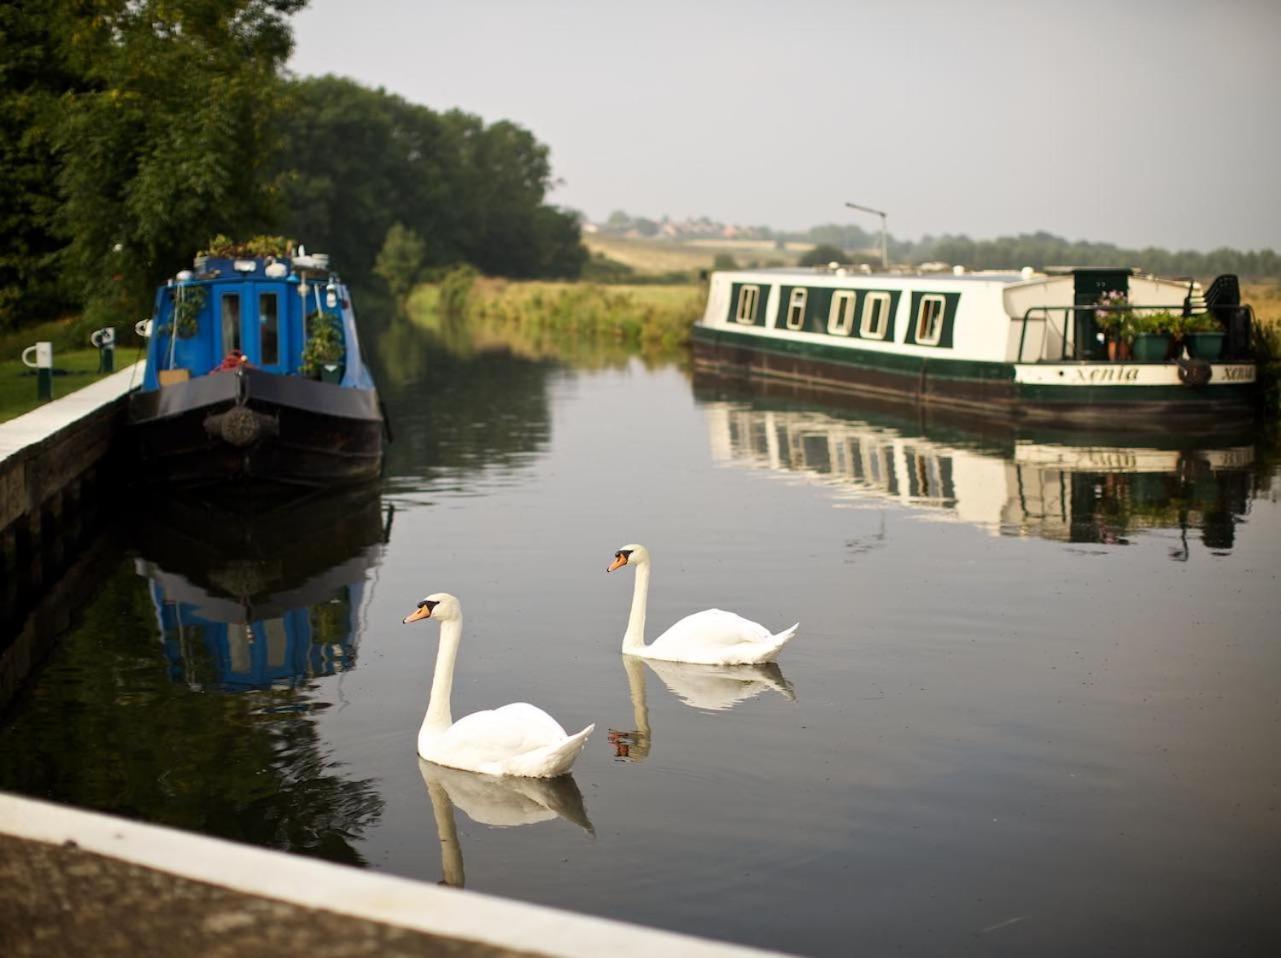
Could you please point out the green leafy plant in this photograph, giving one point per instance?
(1113, 317)
(223, 247)
(1155, 323)
(188, 301)
(1198, 323)
(324, 343)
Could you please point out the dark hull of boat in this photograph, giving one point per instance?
(251, 426)
(977, 389)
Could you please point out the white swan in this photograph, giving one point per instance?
(517, 739)
(710, 637)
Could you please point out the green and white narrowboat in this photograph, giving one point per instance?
(1018, 345)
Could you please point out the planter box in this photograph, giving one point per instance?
(1151, 347)
(1205, 345)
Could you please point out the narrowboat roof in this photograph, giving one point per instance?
(977, 276)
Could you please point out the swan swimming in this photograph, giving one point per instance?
(518, 739)
(710, 637)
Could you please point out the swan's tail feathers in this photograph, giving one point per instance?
(553, 760)
(776, 644)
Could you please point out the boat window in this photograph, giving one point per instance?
(840, 318)
(876, 316)
(796, 308)
(747, 297)
(929, 320)
(230, 322)
(268, 329)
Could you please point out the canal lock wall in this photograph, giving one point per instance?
(60, 465)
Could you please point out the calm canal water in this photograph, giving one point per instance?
(1032, 707)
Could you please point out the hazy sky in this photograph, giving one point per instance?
(1137, 122)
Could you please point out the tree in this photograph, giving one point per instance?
(400, 261)
(166, 138)
(823, 254)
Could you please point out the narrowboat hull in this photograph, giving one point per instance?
(254, 426)
(1069, 393)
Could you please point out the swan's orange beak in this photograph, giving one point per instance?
(422, 612)
(620, 560)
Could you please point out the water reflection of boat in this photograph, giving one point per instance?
(249, 595)
(1012, 484)
(715, 688)
(500, 802)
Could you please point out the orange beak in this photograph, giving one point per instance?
(618, 563)
(422, 612)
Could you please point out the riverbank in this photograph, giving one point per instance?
(587, 324)
(76, 364)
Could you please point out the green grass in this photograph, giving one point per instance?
(585, 324)
(652, 257)
(18, 382)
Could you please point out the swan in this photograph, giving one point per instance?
(517, 739)
(710, 637)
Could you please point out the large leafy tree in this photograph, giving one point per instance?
(34, 74)
(160, 134)
(355, 162)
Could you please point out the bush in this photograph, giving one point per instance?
(823, 254)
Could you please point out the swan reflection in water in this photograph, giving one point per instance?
(715, 688)
(500, 802)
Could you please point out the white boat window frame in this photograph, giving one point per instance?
(933, 317)
(748, 297)
(875, 330)
(797, 300)
(840, 319)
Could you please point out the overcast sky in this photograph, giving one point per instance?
(1137, 122)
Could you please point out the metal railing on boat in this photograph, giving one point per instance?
(1083, 340)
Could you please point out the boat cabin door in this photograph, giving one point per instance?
(1090, 286)
(250, 319)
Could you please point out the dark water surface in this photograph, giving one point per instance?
(1032, 708)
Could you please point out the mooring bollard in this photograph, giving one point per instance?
(105, 340)
(43, 367)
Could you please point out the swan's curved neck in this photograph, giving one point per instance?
(438, 717)
(634, 638)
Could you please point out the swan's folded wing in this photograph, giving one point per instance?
(498, 734)
(710, 629)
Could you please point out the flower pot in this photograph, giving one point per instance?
(1151, 347)
(1118, 349)
(1205, 345)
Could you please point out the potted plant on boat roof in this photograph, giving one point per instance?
(323, 354)
(1202, 334)
(1114, 319)
(1154, 335)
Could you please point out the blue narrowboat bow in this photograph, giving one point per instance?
(254, 372)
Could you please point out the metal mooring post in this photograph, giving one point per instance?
(105, 340)
(43, 367)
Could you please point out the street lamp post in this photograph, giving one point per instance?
(885, 255)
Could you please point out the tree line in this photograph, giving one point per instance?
(131, 131)
(848, 242)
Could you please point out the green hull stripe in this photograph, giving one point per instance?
(970, 371)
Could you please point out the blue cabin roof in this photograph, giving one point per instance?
(264, 309)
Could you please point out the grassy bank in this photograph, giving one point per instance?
(581, 323)
(75, 361)
(72, 370)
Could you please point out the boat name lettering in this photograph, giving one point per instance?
(1237, 372)
(1107, 374)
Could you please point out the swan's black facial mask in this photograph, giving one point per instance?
(620, 559)
(423, 611)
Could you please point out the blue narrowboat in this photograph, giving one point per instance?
(254, 372)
